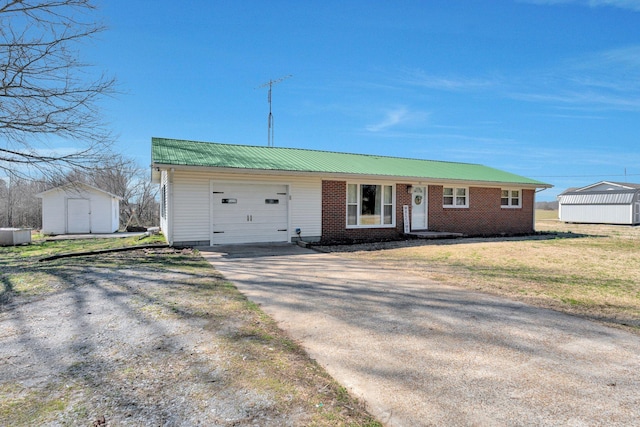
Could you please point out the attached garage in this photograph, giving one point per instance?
(78, 208)
(248, 212)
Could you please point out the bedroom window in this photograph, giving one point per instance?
(510, 198)
(455, 197)
(370, 205)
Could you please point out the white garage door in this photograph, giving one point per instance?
(249, 213)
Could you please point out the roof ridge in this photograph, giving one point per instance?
(318, 151)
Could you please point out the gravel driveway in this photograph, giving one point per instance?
(420, 353)
(150, 337)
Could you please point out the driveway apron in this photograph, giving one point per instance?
(421, 353)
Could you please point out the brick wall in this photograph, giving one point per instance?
(334, 215)
(484, 216)
(402, 198)
(334, 209)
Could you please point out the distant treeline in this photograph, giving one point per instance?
(547, 206)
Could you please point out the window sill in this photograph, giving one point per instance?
(454, 207)
(371, 226)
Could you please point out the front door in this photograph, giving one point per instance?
(419, 208)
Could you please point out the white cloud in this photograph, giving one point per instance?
(448, 83)
(608, 80)
(621, 4)
(397, 116)
(579, 100)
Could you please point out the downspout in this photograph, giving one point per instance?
(536, 191)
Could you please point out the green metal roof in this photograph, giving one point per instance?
(191, 153)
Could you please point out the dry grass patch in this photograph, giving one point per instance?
(592, 271)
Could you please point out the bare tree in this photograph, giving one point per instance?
(5, 202)
(18, 205)
(118, 176)
(146, 202)
(124, 178)
(45, 97)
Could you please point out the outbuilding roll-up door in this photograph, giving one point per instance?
(248, 213)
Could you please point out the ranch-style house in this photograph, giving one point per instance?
(215, 193)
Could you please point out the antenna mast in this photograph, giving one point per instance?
(270, 83)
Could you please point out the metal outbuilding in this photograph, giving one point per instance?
(604, 202)
(78, 208)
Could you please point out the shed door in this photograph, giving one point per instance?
(78, 216)
(248, 213)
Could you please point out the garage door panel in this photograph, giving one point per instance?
(245, 213)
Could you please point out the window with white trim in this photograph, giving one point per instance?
(455, 197)
(511, 198)
(370, 205)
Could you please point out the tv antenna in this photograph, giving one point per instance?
(270, 83)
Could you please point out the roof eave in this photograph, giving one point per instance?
(76, 184)
(409, 179)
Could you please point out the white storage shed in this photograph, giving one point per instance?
(78, 208)
(601, 203)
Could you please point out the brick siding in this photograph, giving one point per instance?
(334, 210)
(484, 216)
(334, 215)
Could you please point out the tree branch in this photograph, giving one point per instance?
(44, 93)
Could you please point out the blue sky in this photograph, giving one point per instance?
(545, 89)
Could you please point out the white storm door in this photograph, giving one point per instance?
(78, 216)
(249, 213)
(419, 208)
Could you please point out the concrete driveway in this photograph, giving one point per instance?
(421, 353)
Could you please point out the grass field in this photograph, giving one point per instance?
(546, 215)
(587, 270)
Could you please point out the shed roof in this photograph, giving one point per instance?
(607, 186)
(622, 197)
(626, 184)
(206, 154)
(600, 193)
(74, 186)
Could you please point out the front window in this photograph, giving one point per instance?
(455, 197)
(510, 198)
(369, 205)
